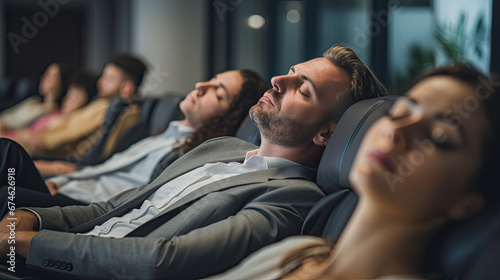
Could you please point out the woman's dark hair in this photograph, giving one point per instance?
(66, 72)
(252, 89)
(86, 80)
(486, 92)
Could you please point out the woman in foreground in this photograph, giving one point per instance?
(398, 212)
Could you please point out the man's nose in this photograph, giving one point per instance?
(282, 83)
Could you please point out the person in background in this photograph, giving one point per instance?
(214, 108)
(82, 89)
(397, 215)
(51, 89)
(76, 134)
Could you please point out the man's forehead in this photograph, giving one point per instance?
(315, 64)
(228, 73)
(112, 68)
(323, 72)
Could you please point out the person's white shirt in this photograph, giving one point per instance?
(131, 168)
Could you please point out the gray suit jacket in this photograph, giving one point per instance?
(206, 232)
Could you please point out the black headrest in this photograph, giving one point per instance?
(166, 110)
(339, 154)
(330, 215)
(248, 131)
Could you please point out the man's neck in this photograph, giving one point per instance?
(308, 155)
(186, 122)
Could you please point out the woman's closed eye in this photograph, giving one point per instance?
(442, 139)
(402, 108)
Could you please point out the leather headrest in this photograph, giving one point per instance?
(248, 131)
(337, 159)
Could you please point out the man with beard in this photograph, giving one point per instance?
(216, 204)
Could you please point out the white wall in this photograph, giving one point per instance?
(170, 35)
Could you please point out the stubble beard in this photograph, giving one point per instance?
(282, 130)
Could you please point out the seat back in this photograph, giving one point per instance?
(166, 110)
(329, 217)
(6, 88)
(25, 87)
(156, 114)
(248, 131)
(16, 91)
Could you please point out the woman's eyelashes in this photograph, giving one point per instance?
(441, 139)
(438, 136)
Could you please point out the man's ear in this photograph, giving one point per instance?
(127, 90)
(323, 136)
(468, 205)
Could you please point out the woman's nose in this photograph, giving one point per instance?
(201, 87)
(407, 128)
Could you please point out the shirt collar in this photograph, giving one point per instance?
(176, 130)
(272, 162)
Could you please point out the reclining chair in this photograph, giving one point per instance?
(156, 114)
(469, 250)
(17, 91)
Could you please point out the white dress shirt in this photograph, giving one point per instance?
(178, 188)
(131, 168)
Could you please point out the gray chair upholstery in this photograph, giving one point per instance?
(248, 131)
(16, 91)
(156, 114)
(329, 217)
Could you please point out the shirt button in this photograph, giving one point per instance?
(221, 166)
(104, 230)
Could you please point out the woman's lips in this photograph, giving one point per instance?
(383, 159)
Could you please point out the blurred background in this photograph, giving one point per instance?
(185, 41)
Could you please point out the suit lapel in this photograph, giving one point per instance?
(251, 178)
(224, 149)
